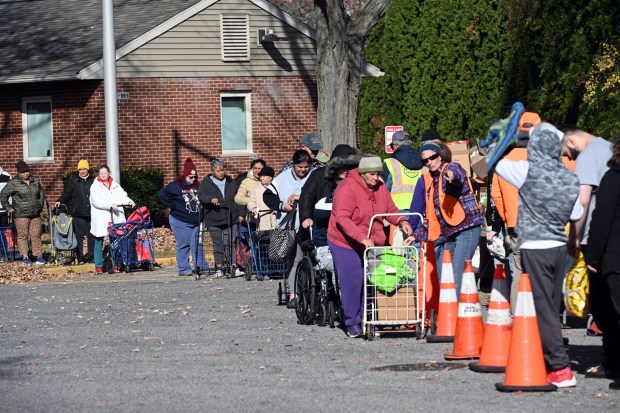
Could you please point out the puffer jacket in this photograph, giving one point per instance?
(27, 199)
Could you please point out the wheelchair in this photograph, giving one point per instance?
(316, 287)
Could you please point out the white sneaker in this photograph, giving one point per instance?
(219, 274)
(239, 273)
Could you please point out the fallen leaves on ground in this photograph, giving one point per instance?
(16, 272)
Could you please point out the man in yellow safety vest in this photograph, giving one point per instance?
(401, 171)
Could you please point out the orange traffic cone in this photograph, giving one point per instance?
(497, 332)
(525, 370)
(448, 304)
(469, 326)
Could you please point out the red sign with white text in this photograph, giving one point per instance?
(389, 131)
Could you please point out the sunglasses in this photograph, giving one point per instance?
(430, 158)
(191, 176)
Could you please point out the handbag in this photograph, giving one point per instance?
(282, 239)
(577, 288)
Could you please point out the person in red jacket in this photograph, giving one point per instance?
(357, 198)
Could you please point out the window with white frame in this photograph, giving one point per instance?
(235, 35)
(37, 129)
(236, 123)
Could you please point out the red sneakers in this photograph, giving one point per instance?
(99, 270)
(562, 378)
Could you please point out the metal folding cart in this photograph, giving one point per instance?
(393, 291)
(211, 259)
(131, 244)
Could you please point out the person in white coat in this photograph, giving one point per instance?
(105, 197)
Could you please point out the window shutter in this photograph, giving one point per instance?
(235, 34)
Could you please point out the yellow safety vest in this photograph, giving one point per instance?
(403, 183)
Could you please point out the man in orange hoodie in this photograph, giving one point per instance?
(506, 199)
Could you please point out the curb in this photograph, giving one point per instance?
(85, 268)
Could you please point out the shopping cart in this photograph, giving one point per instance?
(8, 239)
(393, 299)
(214, 258)
(131, 243)
(261, 265)
(63, 242)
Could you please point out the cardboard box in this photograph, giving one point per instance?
(478, 162)
(398, 306)
(460, 154)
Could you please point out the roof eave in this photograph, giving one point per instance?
(37, 78)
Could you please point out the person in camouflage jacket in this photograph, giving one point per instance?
(26, 203)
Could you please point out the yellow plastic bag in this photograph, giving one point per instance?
(577, 288)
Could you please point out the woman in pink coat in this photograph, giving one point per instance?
(358, 197)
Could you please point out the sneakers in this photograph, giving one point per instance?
(562, 378)
(99, 270)
(27, 261)
(239, 273)
(354, 331)
(40, 261)
(219, 274)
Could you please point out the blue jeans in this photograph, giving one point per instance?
(439, 245)
(186, 236)
(462, 246)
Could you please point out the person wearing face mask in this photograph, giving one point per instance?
(106, 196)
(78, 192)
(181, 196)
(451, 209)
(357, 199)
(265, 220)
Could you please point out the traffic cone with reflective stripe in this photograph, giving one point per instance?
(469, 331)
(525, 370)
(498, 330)
(447, 310)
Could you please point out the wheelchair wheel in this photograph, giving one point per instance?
(108, 264)
(305, 291)
(321, 317)
(331, 311)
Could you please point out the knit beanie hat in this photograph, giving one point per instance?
(431, 147)
(22, 167)
(267, 171)
(83, 164)
(431, 135)
(370, 164)
(189, 168)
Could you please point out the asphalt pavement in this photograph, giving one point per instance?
(156, 342)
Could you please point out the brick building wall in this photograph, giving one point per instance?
(164, 121)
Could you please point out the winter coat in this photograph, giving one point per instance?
(277, 193)
(408, 156)
(354, 205)
(27, 199)
(217, 215)
(184, 204)
(604, 235)
(245, 189)
(78, 191)
(266, 220)
(101, 200)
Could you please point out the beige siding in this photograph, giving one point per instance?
(193, 48)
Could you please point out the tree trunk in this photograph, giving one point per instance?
(340, 46)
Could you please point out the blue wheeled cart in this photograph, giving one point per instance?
(131, 243)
